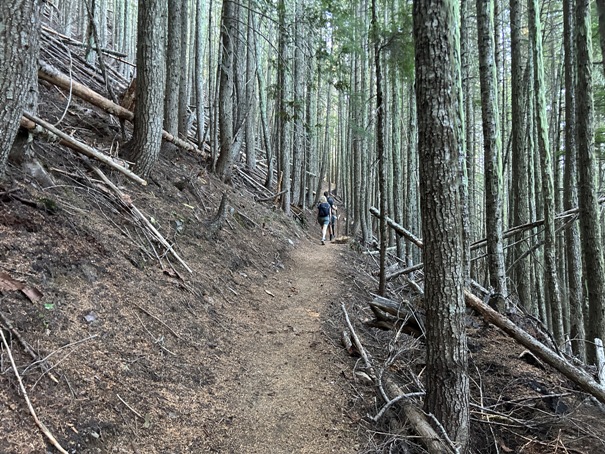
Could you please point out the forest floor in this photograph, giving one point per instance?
(122, 350)
(239, 356)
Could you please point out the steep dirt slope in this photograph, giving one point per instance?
(144, 356)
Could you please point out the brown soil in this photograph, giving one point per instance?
(148, 358)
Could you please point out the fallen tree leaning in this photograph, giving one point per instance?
(29, 122)
(54, 76)
(581, 378)
(578, 376)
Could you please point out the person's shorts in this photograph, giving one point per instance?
(324, 220)
(334, 218)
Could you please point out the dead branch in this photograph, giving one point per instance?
(29, 121)
(67, 40)
(272, 196)
(358, 345)
(407, 270)
(419, 422)
(124, 199)
(43, 365)
(345, 338)
(130, 408)
(245, 220)
(392, 402)
(408, 321)
(580, 377)
(398, 228)
(55, 77)
(402, 231)
(39, 423)
(158, 320)
(253, 182)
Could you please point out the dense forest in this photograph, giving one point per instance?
(475, 126)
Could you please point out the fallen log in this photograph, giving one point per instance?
(578, 376)
(398, 228)
(407, 270)
(29, 122)
(52, 75)
(417, 419)
(402, 231)
(410, 322)
(67, 40)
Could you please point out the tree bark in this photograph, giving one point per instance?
(151, 80)
(251, 69)
(183, 68)
(226, 91)
(590, 228)
(519, 156)
(493, 150)
(19, 46)
(298, 109)
(548, 190)
(447, 383)
(173, 67)
(200, 108)
(570, 196)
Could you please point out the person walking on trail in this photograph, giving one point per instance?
(324, 214)
(333, 215)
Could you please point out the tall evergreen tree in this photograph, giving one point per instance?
(226, 91)
(519, 173)
(572, 234)
(151, 80)
(493, 151)
(447, 383)
(173, 67)
(548, 190)
(590, 227)
(19, 45)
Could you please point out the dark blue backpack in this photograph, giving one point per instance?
(324, 210)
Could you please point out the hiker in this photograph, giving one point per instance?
(324, 214)
(333, 215)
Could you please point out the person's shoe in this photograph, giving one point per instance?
(323, 241)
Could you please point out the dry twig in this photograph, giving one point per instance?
(39, 423)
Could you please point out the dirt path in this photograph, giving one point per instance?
(289, 396)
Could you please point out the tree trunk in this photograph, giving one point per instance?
(590, 227)
(283, 111)
(183, 68)
(298, 110)
(548, 190)
(493, 151)
(200, 108)
(19, 46)
(601, 13)
(447, 383)
(251, 70)
(151, 84)
(572, 234)
(226, 91)
(173, 69)
(380, 153)
(463, 89)
(519, 156)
